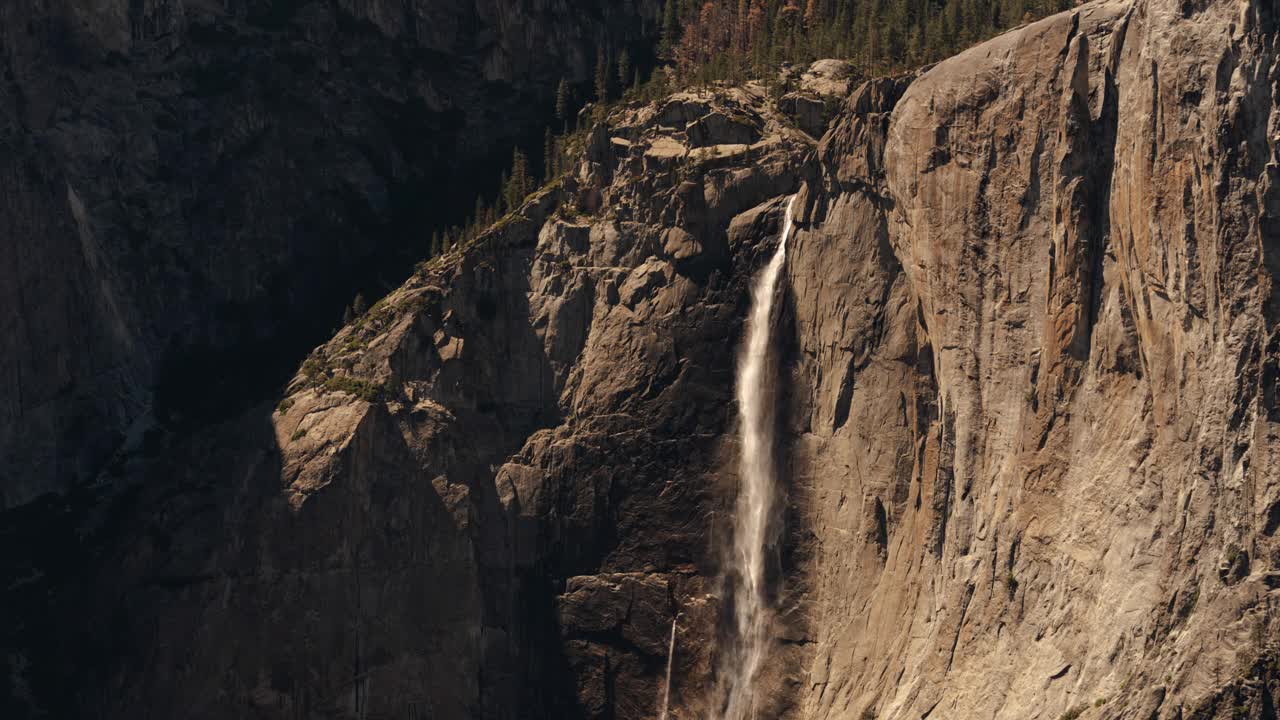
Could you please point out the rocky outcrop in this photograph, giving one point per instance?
(820, 91)
(190, 187)
(1037, 442)
(493, 493)
(1029, 368)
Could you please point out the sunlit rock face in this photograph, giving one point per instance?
(1025, 435)
(1034, 422)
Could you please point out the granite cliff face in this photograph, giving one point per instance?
(1051, 383)
(193, 189)
(489, 496)
(1029, 368)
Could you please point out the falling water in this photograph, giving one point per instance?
(671, 655)
(756, 494)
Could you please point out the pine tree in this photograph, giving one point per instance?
(756, 24)
(359, 306)
(709, 40)
(624, 68)
(518, 184)
(789, 22)
(915, 53)
(549, 169)
(562, 103)
(670, 29)
(602, 77)
(478, 220)
(520, 173)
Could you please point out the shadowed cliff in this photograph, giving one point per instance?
(194, 190)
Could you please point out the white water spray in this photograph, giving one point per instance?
(671, 655)
(756, 495)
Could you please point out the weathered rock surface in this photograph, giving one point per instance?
(821, 90)
(191, 186)
(490, 496)
(1029, 367)
(1038, 364)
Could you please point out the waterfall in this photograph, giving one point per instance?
(756, 495)
(671, 656)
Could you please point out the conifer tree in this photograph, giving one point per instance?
(478, 219)
(725, 39)
(518, 184)
(624, 68)
(712, 40)
(670, 29)
(811, 15)
(562, 104)
(549, 169)
(520, 171)
(602, 77)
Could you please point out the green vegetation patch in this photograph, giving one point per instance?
(358, 387)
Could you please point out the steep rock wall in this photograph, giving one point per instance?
(488, 497)
(1054, 485)
(1029, 371)
(193, 189)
